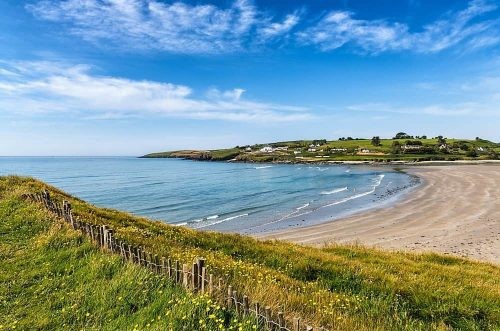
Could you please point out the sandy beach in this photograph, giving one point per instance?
(456, 211)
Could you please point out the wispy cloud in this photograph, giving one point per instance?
(60, 88)
(480, 108)
(173, 27)
(340, 28)
(208, 29)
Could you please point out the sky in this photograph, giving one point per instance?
(129, 77)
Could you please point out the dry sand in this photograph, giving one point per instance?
(455, 211)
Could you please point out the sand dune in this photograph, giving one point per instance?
(455, 211)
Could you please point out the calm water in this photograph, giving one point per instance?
(218, 196)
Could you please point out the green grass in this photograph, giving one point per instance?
(455, 152)
(339, 287)
(52, 278)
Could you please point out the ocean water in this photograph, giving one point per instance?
(235, 197)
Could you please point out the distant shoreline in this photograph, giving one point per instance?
(455, 211)
(344, 162)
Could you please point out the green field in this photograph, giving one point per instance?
(351, 150)
(53, 278)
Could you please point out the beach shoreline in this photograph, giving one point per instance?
(455, 210)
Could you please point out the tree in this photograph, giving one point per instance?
(424, 137)
(402, 135)
(396, 147)
(471, 153)
(441, 140)
(376, 141)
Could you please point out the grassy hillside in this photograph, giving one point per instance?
(339, 287)
(53, 278)
(408, 149)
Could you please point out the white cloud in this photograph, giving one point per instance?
(340, 28)
(55, 87)
(479, 108)
(179, 27)
(174, 27)
(280, 28)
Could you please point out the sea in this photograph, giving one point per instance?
(244, 198)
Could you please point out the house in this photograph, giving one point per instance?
(412, 147)
(248, 149)
(311, 149)
(267, 149)
(284, 148)
(338, 150)
(480, 149)
(365, 151)
(297, 152)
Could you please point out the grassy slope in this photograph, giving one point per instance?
(52, 278)
(385, 147)
(341, 287)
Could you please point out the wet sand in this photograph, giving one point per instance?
(456, 211)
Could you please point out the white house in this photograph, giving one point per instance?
(311, 149)
(296, 152)
(267, 149)
(248, 149)
(412, 147)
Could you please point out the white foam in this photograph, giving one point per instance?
(212, 217)
(263, 167)
(348, 170)
(337, 190)
(180, 224)
(221, 221)
(378, 181)
(302, 207)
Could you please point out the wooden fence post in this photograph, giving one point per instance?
(157, 265)
(203, 276)
(104, 236)
(267, 311)
(235, 298)
(195, 277)
(281, 320)
(130, 256)
(296, 324)
(185, 275)
(177, 271)
(92, 235)
(201, 265)
(257, 313)
(169, 268)
(246, 306)
(110, 240)
(149, 261)
(211, 284)
(163, 266)
(229, 297)
(139, 256)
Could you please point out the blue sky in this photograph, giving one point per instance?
(127, 77)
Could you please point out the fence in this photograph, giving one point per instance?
(193, 277)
